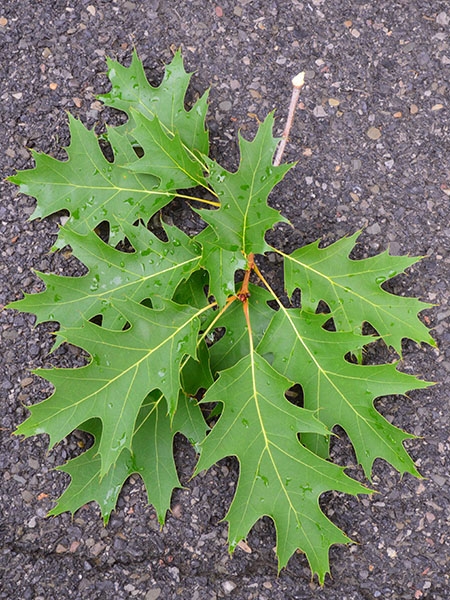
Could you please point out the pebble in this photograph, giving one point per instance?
(374, 229)
(319, 112)
(27, 496)
(153, 594)
(391, 553)
(97, 548)
(408, 47)
(373, 133)
(10, 334)
(225, 106)
(438, 479)
(175, 572)
(228, 586)
(443, 19)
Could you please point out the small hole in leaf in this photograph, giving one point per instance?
(351, 358)
(329, 325)
(147, 302)
(295, 300)
(97, 320)
(103, 231)
(106, 149)
(295, 395)
(322, 308)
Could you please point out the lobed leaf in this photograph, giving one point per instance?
(352, 289)
(91, 188)
(125, 366)
(154, 270)
(132, 91)
(343, 393)
(151, 457)
(244, 216)
(278, 476)
(147, 358)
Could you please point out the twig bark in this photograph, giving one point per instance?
(297, 83)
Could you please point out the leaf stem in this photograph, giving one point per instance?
(229, 301)
(297, 83)
(244, 294)
(211, 202)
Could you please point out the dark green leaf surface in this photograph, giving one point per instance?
(244, 216)
(154, 270)
(278, 476)
(234, 344)
(151, 457)
(196, 373)
(343, 393)
(352, 289)
(90, 187)
(221, 265)
(125, 366)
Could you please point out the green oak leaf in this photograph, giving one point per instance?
(151, 457)
(343, 393)
(244, 216)
(163, 322)
(90, 187)
(278, 476)
(352, 289)
(132, 91)
(125, 366)
(221, 265)
(154, 270)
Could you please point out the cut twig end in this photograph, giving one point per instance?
(299, 80)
